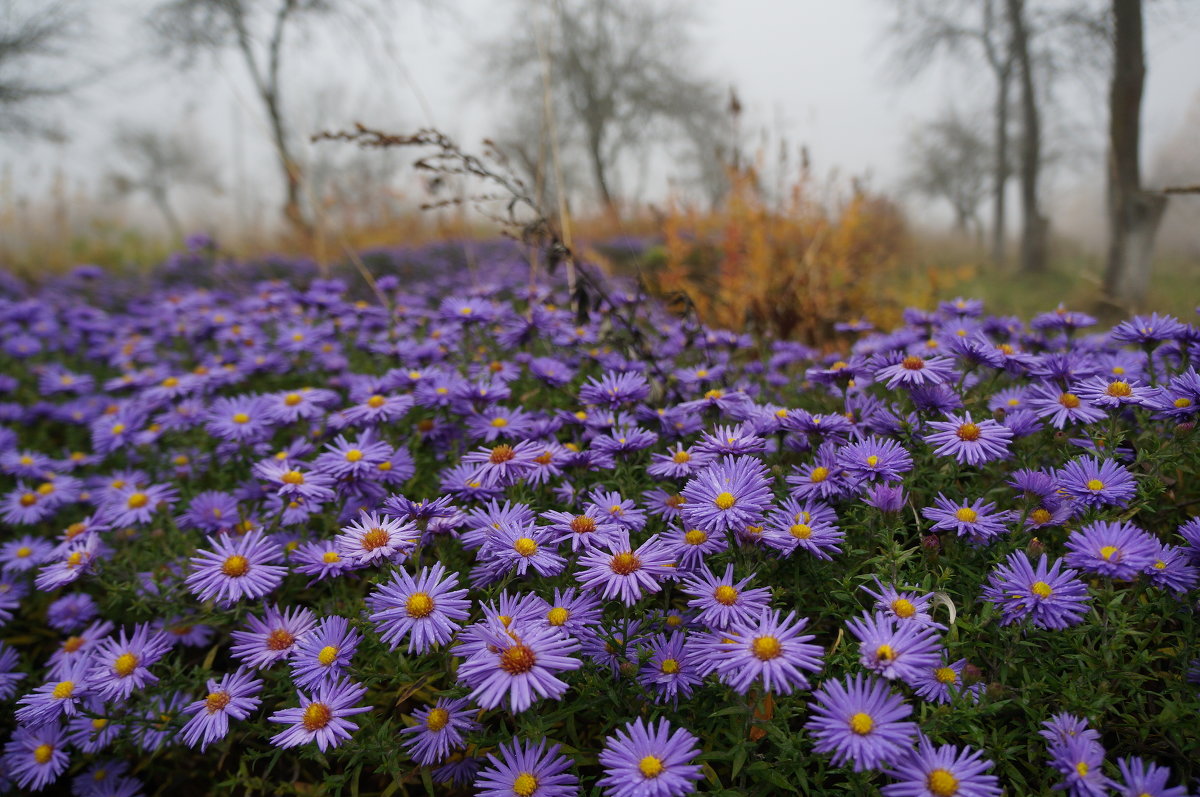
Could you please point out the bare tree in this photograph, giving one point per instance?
(948, 160)
(619, 76)
(154, 164)
(29, 33)
(1134, 214)
(957, 28)
(1034, 225)
(257, 31)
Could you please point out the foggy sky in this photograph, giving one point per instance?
(811, 70)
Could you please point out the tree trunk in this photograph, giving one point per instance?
(600, 172)
(1000, 167)
(1133, 214)
(163, 202)
(1034, 225)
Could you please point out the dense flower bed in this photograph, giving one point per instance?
(459, 535)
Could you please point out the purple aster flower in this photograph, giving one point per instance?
(585, 530)
(888, 498)
(1172, 570)
(1119, 550)
(321, 656)
(678, 463)
(320, 560)
(272, 637)
(9, 677)
(945, 771)
(671, 672)
(691, 546)
(912, 370)
(969, 442)
(77, 648)
(241, 419)
(1147, 330)
(527, 770)
(372, 539)
(860, 720)
(978, 521)
(770, 650)
(427, 607)
(58, 698)
(210, 511)
(321, 718)
(1110, 394)
(944, 683)
(121, 664)
(359, 459)
(903, 607)
(503, 465)
(615, 508)
(135, 505)
(644, 760)
(35, 757)
(875, 458)
(1094, 482)
(613, 390)
(236, 568)
(1190, 531)
(525, 546)
(24, 553)
(234, 695)
(290, 481)
(518, 662)
(895, 649)
(574, 612)
(72, 612)
(1080, 760)
(731, 440)
(1054, 598)
(727, 496)
(440, 729)
(1062, 408)
(723, 602)
(823, 479)
(1143, 779)
(810, 526)
(619, 571)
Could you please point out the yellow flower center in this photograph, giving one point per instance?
(945, 675)
(903, 608)
(316, 716)
(1181, 403)
(280, 639)
(292, 399)
(241, 417)
(766, 648)
(330, 557)
(525, 546)
(374, 538)
(418, 605)
(63, 690)
(1041, 589)
(669, 666)
(696, 537)
(557, 616)
(650, 766)
(353, 455)
(1095, 485)
(1082, 768)
(1108, 552)
(73, 644)
(819, 474)
(499, 423)
(118, 428)
(236, 566)
(966, 514)
(885, 653)
(968, 432)
(525, 784)
(125, 664)
(501, 454)
(292, 477)
(24, 552)
(725, 500)
(327, 655)
(861, 723)
(376, 401)
(872, 461)
(517, 659)
(216, 701)
(1041, 515)
(912, 363)
(582, 524)
(42, 753)
(725, 595)
(800, 531)
(942, 783)
(1119, 389)
(624, 563)
(438, 718)
(1069, 400)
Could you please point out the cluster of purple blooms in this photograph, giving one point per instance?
(568, 569)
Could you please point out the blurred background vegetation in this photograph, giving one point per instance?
(652, 160)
